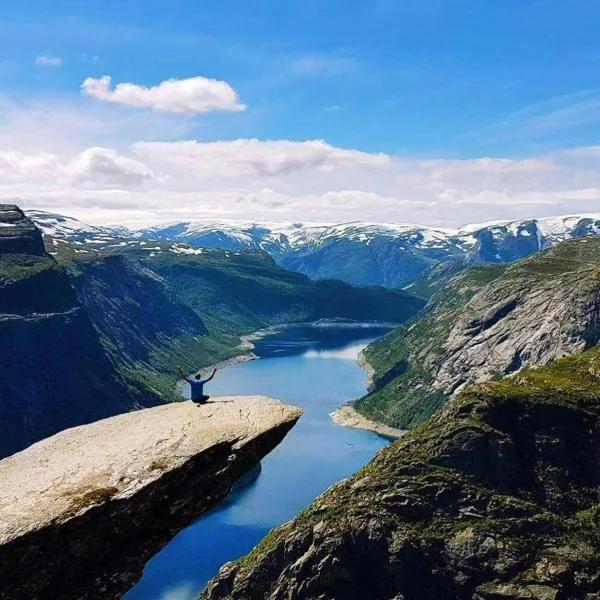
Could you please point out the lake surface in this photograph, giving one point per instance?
(313, 367)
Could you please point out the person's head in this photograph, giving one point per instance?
(198, 376)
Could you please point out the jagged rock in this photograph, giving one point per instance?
(486, 323)
(18, 235)
(495, 498)
(83, 511)
(531, 315)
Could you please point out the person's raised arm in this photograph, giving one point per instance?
(181, 373)
(213, 375)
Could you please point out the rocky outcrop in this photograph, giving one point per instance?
(18, 235)
(83, 511)
(54, 372)
(533, 314)
(484, 324)
(495, 498)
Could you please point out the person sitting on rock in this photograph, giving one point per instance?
(196, 385)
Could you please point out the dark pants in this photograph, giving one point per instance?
(201, 399)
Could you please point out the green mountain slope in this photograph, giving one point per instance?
(485, 323)
(54, 372)
(88, 332)
(495, 498)
(157, 305)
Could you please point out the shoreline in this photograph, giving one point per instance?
(367, 367)
(346, 416)
(246, 346)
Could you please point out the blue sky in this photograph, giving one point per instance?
(418, 80)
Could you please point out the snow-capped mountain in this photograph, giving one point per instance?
(393, 255)
(381, 254)
(62, 227)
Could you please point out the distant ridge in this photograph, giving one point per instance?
(393, 255)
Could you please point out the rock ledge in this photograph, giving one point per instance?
(81, 512)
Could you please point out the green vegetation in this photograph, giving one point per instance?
(498, 492)
(22, 276)
(156, 305)
(406, 362)
(14, 267)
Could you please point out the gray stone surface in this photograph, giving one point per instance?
(81, 512)
(523, 319)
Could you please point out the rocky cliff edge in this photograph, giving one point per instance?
(81, 512)
(496, 497)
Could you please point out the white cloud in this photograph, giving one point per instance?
(104, 167)
(251, 157)
(183, 96)
(94, 168)
(47, 60)
(539, 120)
(66, 125)
(18, 166)
(78, 158)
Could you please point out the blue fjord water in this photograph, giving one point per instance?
(313, 367)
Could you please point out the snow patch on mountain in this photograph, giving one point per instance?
(389, 254)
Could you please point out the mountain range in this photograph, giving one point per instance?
(391, 255)
(494, 496)
(487, 322)
(96, 324)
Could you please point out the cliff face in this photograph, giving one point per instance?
(495, 498)
(157, 305)
(18, 235)
(83, 511)
(145, 327)
(54, 372)
(486, 323)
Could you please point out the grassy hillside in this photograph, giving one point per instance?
(484, 323)
(249, 290)
(404, 360)
(157, 305)
(495, 497)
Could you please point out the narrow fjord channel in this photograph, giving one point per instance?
(314, 367)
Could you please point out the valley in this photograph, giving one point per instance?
(491, 363)
(494, 497)
(121, 318)
(314, 368)
(300, 300)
